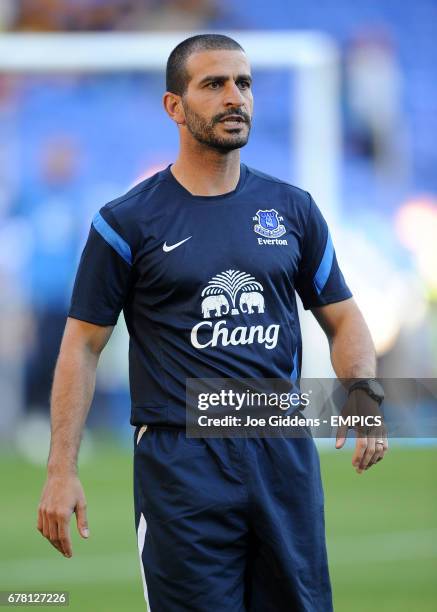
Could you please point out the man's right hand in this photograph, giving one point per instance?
(62, 495)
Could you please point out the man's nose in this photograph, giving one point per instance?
(233, 95)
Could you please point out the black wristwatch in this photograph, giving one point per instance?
(371, 386)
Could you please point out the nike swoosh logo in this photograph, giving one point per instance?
(166, 248)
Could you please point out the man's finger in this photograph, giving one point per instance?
(379, 454)
(382, 449)
(341, 436)
(53, 532)
(64, 538)
(368, 454)
(82, 522)
(53, 528)
(381, 443)
(57, 545)
(45, 525)
(360, 449)
(39, 521)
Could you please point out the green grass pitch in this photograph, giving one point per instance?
(381, 528)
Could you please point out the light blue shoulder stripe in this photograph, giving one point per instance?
(112, 238)
(324, 269)
(295, 373)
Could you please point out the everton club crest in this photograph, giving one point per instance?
(268, 224)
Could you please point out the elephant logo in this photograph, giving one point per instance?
(269, 224)
(251, 299)
(214, 303)
(220, 296)
(232, 293)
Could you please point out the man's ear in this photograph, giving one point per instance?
(173, 107)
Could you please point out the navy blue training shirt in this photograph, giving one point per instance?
(206, 283)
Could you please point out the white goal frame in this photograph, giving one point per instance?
(312, 56)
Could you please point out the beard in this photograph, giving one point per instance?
(206, 131)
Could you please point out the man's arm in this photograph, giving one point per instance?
(352, 356)
(71, 397)
(351, 345)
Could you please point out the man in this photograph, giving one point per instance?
(204, 259)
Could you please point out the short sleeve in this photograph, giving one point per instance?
(104, 275)
(319, 279)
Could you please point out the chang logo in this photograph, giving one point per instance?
(232, 293)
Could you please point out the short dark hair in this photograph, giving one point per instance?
(177, 77)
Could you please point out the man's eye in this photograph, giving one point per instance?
(214, 85)
(244, 84)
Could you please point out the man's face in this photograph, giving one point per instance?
(218, 101)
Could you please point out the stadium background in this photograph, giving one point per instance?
(71, 142)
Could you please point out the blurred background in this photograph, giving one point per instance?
(71, 141)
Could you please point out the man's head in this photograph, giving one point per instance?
(209, 91)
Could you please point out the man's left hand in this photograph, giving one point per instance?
(371, 441)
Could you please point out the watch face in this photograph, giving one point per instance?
(376, 389)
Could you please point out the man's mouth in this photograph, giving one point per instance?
(233, 121)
